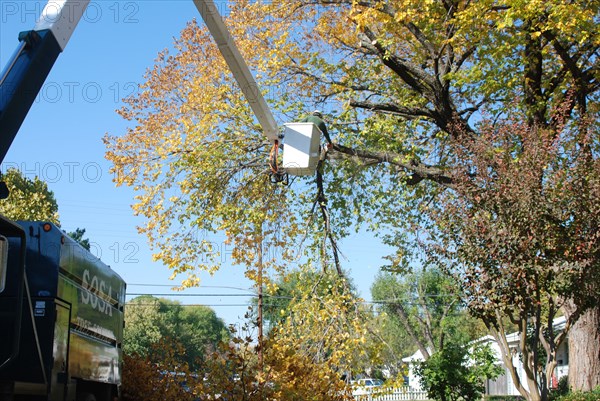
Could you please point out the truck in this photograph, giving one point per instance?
(62, 312)
(61, 308)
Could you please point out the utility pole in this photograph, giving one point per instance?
(260, 303)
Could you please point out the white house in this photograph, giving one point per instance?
(412, 362)
(503, 385)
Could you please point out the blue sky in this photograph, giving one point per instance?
(60, 142)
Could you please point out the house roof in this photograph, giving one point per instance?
(417, 356)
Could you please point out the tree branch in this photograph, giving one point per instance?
(414, 78)
(391, 108)
(417, 170)
(321, 200)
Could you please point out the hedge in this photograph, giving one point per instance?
(593, 395)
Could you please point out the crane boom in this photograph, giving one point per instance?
(28, 68)
(238, 67)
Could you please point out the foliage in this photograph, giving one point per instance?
(232, 372)
(297, 376)
(200, 170)
(407, 87)
(561, 389)
(145, 379)
(29, 199)
(449, 375)
(77, 235)
(151, 320)
(503, 398)
(286, 375)
(289, 286)
(281, 293)
(427, 305)
(593, 395)
(524, 248)
(397, 344)
(327, 324)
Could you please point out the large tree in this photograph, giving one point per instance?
(408, 86)
(525, 250)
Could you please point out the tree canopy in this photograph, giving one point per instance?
(150, 320)
(197, 159)
(409, 88)
(77, 235)
(427, 307)
(29, 199)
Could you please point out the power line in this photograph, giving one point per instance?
(188, 295)
(199, 286)
(413, 302)
(128, 305)
(205, 295)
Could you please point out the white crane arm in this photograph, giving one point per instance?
(238, 67)
(61, 18)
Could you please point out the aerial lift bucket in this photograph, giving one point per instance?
(301, 148)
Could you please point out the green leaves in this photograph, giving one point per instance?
(455, 372)
(29, 199)
(151, 320)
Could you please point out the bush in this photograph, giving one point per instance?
(503, 398)
(561, 390)
(593, 395)
(447, 376)
(146, 380)
(232, 372)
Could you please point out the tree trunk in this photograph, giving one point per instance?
(584, 351)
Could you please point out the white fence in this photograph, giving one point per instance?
(394, 394)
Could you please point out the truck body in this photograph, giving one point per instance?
(72, 350)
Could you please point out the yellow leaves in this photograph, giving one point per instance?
(145, 379)
(191, 281)
(284, 375)
(575, 20)
(297, 376)
(328, 325)
(194, 154)
(507, 22)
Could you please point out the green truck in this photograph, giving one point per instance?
(61, 311)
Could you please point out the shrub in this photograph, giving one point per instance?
(232, 372)
(144, 379)
(448, 376)
(561, 390)
(593, 395)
